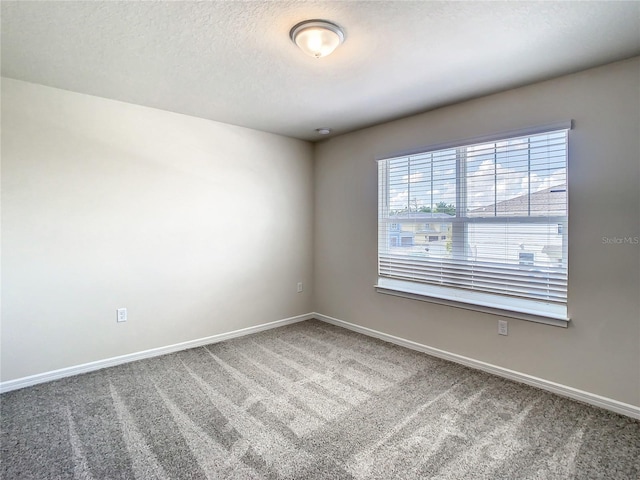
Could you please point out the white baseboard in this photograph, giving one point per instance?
(559, 389)
(154, 352)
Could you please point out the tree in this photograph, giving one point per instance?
(444, 207)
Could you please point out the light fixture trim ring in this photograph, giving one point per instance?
(299, 27)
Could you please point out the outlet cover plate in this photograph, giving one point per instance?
(503, 327)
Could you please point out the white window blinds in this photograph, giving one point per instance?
(483, 222)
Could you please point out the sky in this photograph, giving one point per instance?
(495, 172)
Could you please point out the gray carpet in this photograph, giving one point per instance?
(306, 401)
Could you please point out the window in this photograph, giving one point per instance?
(498, 210)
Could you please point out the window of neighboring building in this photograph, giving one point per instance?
(501, 207)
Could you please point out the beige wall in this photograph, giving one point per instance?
(600, 351)
(197, 227)
(200, 228)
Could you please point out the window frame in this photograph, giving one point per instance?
(493, 303)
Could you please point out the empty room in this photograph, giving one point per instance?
(320, 240)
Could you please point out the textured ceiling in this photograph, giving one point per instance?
(234, 62)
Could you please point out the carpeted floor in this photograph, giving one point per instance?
(306, 401)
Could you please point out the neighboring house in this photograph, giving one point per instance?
(435, 228)
(550, 201)
(536, 244)
(419, 228)
(398, 237)
(422, 233)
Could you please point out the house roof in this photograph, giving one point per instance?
(550, 201)
(421, 216)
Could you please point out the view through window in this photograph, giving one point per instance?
(487, 217)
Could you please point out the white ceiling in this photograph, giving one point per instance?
(233, 61)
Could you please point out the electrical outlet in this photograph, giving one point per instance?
(299, 287)
(121, 315)
(503, 327)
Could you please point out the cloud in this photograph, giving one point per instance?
(491, 182)
(487, 182)
(415, 177)
(398, 200)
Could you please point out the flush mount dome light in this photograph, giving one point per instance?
(317, 38)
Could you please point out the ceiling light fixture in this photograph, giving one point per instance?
(323, 131)
(317, 38)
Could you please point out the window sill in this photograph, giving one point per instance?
(482, 302)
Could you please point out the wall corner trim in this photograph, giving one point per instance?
(132, 357)
(557, 388)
